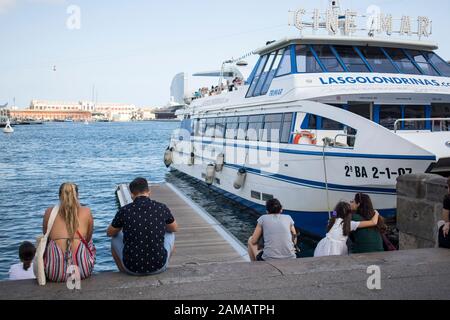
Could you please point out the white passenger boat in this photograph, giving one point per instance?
(323, 117)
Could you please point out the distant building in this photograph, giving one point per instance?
(48, 115)
(5, 114)
(117, 112)
(82, 110)
(179, 89)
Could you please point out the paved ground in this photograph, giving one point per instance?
(415, 274)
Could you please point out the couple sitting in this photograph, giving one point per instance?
(142, 235)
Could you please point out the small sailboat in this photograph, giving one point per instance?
(86, 122)
(8, 128)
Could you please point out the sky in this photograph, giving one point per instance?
(129, 51)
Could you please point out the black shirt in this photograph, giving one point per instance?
(143, 223)
(447, 202)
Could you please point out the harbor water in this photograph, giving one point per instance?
(35, 160)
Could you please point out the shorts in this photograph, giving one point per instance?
(117, 245)
(259, 257)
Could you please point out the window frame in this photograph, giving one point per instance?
(287, 52)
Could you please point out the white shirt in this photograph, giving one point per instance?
(16, 272)
(337, 231)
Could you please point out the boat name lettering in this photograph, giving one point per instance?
(276, 92)
(382, 80)
(375, 173)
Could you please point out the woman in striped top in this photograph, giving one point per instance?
(70, 240)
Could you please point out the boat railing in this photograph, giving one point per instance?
(444, 123)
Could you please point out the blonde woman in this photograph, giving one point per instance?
(70, 240)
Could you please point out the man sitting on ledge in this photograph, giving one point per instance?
(142, 234)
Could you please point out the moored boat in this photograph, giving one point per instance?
(323, 117)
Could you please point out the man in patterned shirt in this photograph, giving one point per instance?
(142, 233)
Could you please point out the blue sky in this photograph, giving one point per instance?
(130, 50)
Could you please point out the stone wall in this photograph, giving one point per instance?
(419, 208)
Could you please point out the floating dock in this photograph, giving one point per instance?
(201, 239)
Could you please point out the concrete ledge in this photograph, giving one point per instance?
(413, 274)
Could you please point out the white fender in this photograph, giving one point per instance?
(220, 162)
(210, 174)
(168, 157)
(240, 179)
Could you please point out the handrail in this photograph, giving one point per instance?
(433, 120)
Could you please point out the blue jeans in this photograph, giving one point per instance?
(117, 245)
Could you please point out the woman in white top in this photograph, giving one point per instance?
(24, 270)
(339, 228)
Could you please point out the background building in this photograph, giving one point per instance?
(45, 110)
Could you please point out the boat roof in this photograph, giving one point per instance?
(346, 40)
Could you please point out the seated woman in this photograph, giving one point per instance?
(369, 239)
(339, 228)
(444, 238)
(279, 235)
(70, 240)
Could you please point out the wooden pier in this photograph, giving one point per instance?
(201, 239)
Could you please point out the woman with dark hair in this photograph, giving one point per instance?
(278, 232)
(24, 270)
(370, 239)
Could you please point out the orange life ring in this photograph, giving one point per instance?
(305, 134)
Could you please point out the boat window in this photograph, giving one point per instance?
(423, 64)
(261, 66)
(242, 128)
(389, 114)
(220, 127)
(328, 59)
(362, 109)
(264, 75)
(287, 128)
(402, 61)
(210, 127)
(310, 122)
(255, 126)
(202, 127)
(306, 62)
(441, 111)
(272, 128)
(377, 60)
(328, 124)
(439, 63)
(351, 59)
(232, 126)
(272, 72)
(414, 112)
(285, 65)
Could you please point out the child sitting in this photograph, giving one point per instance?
(24, 270)
(339, 228)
